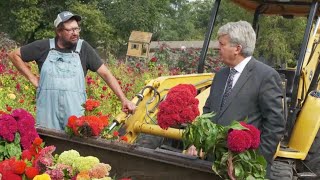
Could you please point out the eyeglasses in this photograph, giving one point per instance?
(77, 30)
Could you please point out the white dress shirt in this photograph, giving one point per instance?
(239, 69)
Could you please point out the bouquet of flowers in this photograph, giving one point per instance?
(180, 106)
(70, 165)
(233, 148)
(37, 162)
(89, 124)
(17, 132)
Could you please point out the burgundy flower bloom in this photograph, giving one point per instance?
(239, 140)
(27, 132)
(19, 114)
(8, 127)
(255, 135)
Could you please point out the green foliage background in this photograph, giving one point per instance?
(107, 24)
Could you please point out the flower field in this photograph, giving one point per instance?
(23, 155)
(17, 92)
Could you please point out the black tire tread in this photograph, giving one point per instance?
(281, 170)
(313, 158)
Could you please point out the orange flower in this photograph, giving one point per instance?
(91, 104)
(124, 138)
(83, 175)
(72, 121)
(37, 141)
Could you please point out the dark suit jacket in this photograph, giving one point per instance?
(257, 95)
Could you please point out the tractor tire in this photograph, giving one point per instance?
(281, 170)
(313, 158)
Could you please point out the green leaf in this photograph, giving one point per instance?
(224, 157)
(261, 160)
(238, 171)
(2, 149)
(250, 177)
(13, 150)
(236, 125)
(17, 138)
(207, 115)
(68, 131)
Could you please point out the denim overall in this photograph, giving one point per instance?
(61, 90)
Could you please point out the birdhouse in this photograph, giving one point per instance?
(139, 44)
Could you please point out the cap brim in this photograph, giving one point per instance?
(76, 17)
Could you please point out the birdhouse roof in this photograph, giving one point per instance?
(139, 36)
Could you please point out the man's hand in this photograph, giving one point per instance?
(192, 151)
(128, 106)
(35, 81)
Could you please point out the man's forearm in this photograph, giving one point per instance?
(22, 67)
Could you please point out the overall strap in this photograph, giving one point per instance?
(79, 44)
(52, 44)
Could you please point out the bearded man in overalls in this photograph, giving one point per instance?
(63, 63)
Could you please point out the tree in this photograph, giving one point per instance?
(280, 39)
(26, 21)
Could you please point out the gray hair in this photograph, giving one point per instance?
(240, 33)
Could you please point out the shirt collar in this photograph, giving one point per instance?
(242, 64)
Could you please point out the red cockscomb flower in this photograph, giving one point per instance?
(8, 175)
(239, 140)
(116, 133)
(255, 135)
(31, 172)
(26, 154)
(19, 167)
(180, 106)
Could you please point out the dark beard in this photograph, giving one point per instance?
(68, 44)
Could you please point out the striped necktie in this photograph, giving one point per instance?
(228, 88)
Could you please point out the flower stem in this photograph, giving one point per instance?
(230, 167)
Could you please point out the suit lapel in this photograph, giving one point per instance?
(246, 73)
(219, 90)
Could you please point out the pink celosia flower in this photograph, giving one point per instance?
(8, 127)
(45, 158)
(19, 114)
(55, 174)
(100, 170)
(27, 132)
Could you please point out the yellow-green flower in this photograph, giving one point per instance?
(11, 96)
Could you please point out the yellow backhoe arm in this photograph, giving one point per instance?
(144, 119)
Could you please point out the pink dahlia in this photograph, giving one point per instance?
(239, 140)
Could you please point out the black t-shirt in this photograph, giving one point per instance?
(38, 51)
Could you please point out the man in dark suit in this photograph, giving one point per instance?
(246, 88)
